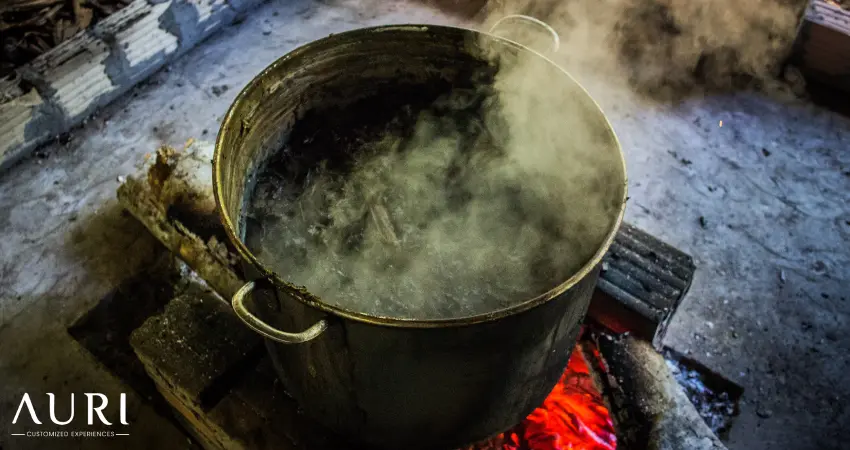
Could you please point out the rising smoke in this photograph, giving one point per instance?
(485, 198)
(669, 49)
(494, 194)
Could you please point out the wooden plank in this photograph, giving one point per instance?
(25, 5)
(167, 183)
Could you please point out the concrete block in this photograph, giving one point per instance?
(18, 118)
(193, 344)
(73, 77)
(96, 66)
(214, 372)
(145, 45)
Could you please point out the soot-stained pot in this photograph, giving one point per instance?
(402, 383)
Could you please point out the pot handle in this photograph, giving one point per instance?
(267, 330)
(556, 39)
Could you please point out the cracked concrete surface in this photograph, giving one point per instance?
(760, 202)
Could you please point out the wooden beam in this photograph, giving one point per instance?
(649, 408)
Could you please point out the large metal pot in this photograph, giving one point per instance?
(397, 383)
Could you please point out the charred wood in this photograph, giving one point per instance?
(179, 185)
(649, 408)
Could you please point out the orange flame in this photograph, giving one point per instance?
(573, 417)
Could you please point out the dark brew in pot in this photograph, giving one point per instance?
(397, 382)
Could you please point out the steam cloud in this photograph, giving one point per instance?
(495, 195)
(464, 216)
(669, 49)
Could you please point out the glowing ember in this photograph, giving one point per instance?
(573, 416)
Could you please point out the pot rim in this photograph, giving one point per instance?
(304, 296)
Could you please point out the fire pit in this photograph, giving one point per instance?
(225, 393)
(172, 199)
(573, 416)
(375, 340)
(417, 379)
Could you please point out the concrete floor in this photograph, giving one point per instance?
(766, 309)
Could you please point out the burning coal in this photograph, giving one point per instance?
(573, 416)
